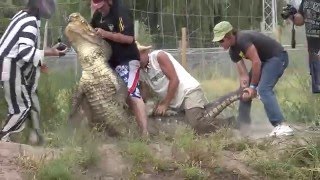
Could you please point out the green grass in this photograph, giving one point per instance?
(78, 154)
(55, 170)
(194, 173)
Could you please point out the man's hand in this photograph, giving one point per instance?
(160, 109)
(249, 93)
(44, 68)
(244, 82)
(288, 11)
(54, 52)
(102, 33)
(60, 46)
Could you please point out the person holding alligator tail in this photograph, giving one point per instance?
(269, 60)
(309, 15)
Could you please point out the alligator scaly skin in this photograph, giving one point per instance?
(209, 123)
(99, 85)
(217, 106)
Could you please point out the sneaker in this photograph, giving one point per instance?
(281, 130)
(4, 136)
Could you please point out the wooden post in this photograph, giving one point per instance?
(45, 36)
(184, 48)
(136, 29)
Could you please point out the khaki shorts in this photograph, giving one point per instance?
(193, 105)
(195, 98)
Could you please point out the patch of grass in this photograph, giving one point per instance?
(195, 147)
(138, 152)
(194, 173)
(54, 170)
(214, 88)
(55, 100)
(80, 152)
(160, 165)
(72, 159)
(295, 162)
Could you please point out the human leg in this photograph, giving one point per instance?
(18, 101)
(314, 65)
(138, 108)
(130, 74)
(32, 75)
(244, 118)
(195, 111)
(271, 71)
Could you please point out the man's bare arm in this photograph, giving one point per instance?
(118, 37)
(252, 54)
(298, 19)
(243, 74)
(168, 69)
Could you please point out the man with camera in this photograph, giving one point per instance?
(20, 64)
(308, 14)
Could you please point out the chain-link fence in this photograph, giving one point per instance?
(204, 63)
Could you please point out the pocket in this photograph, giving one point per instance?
(5, 69)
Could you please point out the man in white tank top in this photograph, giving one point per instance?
(173, 84)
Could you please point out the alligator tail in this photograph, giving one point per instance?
(214, 108)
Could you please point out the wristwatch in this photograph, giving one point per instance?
(253, 86)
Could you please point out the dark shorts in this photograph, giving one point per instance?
(129, 72)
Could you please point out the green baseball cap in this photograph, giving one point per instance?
(220, 30)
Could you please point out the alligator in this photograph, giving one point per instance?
(208, 124)
(100, 89)
(103, 93)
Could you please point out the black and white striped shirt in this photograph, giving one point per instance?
(19, 41)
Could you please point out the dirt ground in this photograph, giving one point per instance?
(112, 164)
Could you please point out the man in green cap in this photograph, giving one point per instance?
(269, 60)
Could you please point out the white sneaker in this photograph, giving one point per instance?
(281, 130)
(5, 138)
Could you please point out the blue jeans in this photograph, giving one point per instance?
(271, 70)
(314, 65)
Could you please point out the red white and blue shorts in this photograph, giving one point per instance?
(129, 72)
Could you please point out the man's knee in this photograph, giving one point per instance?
(265, 92)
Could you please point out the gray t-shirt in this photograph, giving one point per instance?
(266, 46)
(310, 9)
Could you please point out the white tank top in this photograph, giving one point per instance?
(157, 80)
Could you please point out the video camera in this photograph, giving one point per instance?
(288, 10)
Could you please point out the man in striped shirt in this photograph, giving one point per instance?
(20, 59)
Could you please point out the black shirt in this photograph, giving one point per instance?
(118, 20)
(310, 9)
(266, 46)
